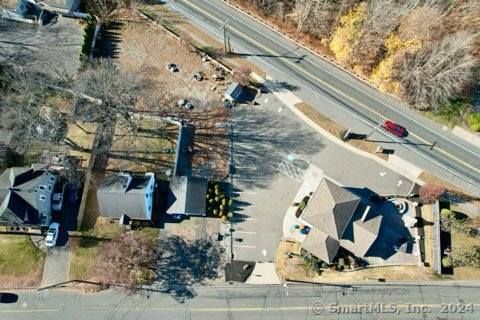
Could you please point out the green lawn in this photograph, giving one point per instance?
(20, 260)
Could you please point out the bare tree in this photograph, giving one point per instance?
(105, 10)
(242, 75)
(438, 72)
(431, 192)
(129, 259)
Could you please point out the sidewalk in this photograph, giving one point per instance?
(312, 178)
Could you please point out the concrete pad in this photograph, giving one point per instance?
(264, 273)
(404, 167)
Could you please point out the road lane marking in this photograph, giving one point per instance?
(247, 38)
(245, 232)
(244, 246)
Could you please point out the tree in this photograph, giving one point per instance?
(129, 259)
(438, 72)
(242, 75)
(105, 10)
(429, 193)
(473, 121)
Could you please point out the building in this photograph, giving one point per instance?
(124, 194)
(187, 196)
(26, 195)
(338, 218)
(233, 92)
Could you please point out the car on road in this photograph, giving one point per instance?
(395, 128)
(52, 234)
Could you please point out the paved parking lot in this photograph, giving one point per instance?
(271, 150)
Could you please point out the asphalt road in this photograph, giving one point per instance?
(254, 302)
(338, 94)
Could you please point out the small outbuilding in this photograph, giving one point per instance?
(187, 196)
(233, 92)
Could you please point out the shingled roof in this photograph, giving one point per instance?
(188, 195)
(25, 195)
(330, 198)
(337, 219)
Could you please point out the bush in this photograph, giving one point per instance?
(429, 193)
(446, 262)
(89, 32)
(473, 121)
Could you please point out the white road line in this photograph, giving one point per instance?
(244, 219)
(246, 192)
(244, 246)
(245, 232)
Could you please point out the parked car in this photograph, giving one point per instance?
(57, 197)
(395, 128)
(52, 235)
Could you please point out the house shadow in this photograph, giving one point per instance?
(184, 264)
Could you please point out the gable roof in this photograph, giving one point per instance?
(365, 227)
(188, 195)
(23, 200)
(330, 209)
(123, 194)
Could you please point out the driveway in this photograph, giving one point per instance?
(55, 268)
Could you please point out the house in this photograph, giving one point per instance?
(233, 92)
(187, 196)
(338, 218)
(26, 195)
(125, 194)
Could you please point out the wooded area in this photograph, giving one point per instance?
(425, 51)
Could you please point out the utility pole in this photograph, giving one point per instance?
(224, 26)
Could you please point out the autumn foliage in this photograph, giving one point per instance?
(429, 193)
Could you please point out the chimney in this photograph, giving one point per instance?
(365, 213)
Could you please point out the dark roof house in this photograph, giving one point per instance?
(338, 219)
(123, 194)
(187, 196)
(25, 196)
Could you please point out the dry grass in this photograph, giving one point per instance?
(336, 129)
(294, 269)
(82, 135)
(145, 50)
(199, 38)
(21, 263)
(151, 149)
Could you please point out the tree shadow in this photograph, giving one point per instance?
(110, 39)
(184, 264)
(262, 140)
(279, 86)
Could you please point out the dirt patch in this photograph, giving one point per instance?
(80, 138)
(337, 130)
(145, 50)
(291, 266)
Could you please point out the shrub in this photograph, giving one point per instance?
(429, 193)
(473, 121)
(446, 262)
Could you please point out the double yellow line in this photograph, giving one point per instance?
(259, 45)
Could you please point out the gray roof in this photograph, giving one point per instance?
(123, 194)
(365, 232)
(330, 198)
(233, 91)
(338, 219)
(321, 245)
(188, 195)
(25, 195)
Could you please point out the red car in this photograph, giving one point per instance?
(394, 128)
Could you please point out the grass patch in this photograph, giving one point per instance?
(451, 114)
(21, 263)
(429, 178)
(337, 130)
(83, 258)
